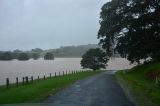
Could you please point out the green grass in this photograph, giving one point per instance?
(137, 78)
(39, 90)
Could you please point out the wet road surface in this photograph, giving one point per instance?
(98, 90)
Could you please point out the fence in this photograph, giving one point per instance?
(26, 79)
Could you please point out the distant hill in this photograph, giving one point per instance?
(71, 51)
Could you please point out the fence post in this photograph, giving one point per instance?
(44, 77)
(55, 74)
(50, 75)
(7, 82)
(63, 73)
(26, 79)
(59, 73)
(66, 73)
(38, 77)
(23, 80)
(32, 79)
(17, 81)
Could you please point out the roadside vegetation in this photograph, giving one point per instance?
(94, 59)
(39, 90)
(143, 80)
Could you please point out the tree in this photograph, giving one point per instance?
(23, 56)
(94, 59)
(35, 56)
(37, 50)
(49, 56)
(131, 27)
(16, 53)
(6, 56)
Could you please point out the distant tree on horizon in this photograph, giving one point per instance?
(35, 56)
(37, 50)
(94, 59)
(49, 56)
(23, 56)
(6, 56)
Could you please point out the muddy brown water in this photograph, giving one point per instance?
(35, 68)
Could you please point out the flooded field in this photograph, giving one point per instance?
(15, 68)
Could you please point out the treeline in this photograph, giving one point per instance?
(19, 55)
(75, 51)
(66, 51)
(72, 51)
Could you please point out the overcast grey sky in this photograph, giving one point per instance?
(28, 24)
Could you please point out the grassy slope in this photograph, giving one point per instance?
(39, 90)
(138, 79)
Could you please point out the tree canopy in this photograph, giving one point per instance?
(49, 56)
(6, 56)
(131, 27)
(94, 59)
(23, 56)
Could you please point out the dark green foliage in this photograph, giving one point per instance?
(49, 56)
(6, 56)
(23, 56)
(36, 50)
(1, 53)
(35, 56)
(94, 59)
(132, 28)
(16, 53)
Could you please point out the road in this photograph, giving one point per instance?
(98, 90)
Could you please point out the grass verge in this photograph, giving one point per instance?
(39, 90)
(140, 80)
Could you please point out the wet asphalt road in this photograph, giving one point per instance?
(98, 90)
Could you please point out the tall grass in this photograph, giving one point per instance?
(143, 78)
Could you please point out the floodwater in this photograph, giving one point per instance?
(35, 68)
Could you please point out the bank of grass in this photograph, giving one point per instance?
(141, 82)
(39, 90)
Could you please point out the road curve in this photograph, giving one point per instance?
(98, 90)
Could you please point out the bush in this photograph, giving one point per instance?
(49, 56)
